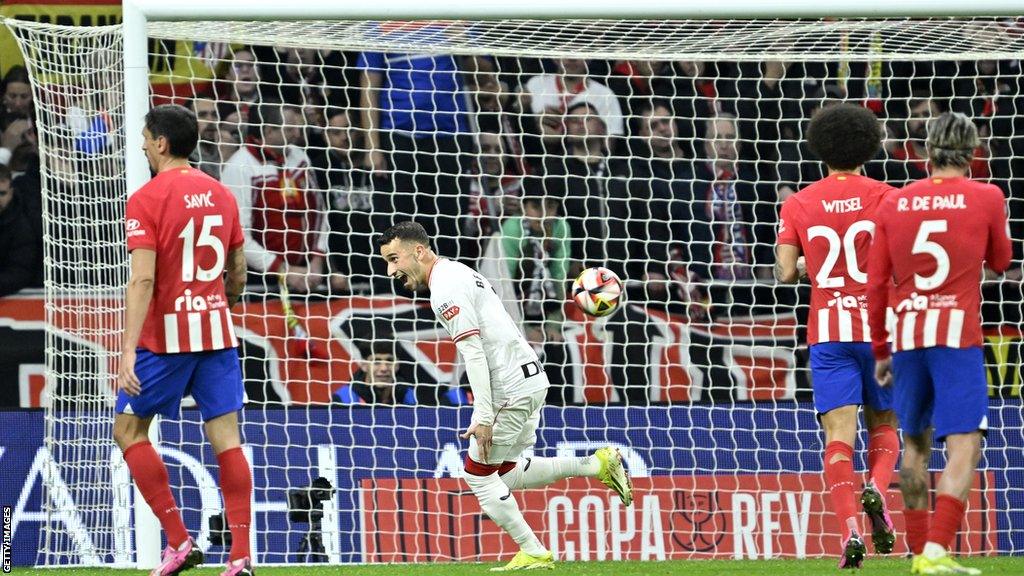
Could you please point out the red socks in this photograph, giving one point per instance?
(150, 476)
(236, 485)
(839, 479)
(917, 529)
(883, 451)
(946, 520)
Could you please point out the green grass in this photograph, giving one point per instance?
(996, 565)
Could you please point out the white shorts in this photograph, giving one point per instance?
(515, 429)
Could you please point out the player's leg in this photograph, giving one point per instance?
(163, 378)
(495, 498)
(836, 378)
(840, 425)
(917, 450)
(913, 401)
(218, 390)
(961, 416)
(883, 446)
(605, 464)
(883, 453)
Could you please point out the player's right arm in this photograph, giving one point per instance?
(787, 250)
(141, 234)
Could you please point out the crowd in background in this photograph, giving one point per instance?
(671, 173)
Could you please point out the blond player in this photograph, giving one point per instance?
(509, 387)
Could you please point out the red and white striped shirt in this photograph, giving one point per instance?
(191, 221)
(931, 240)
(831, 221)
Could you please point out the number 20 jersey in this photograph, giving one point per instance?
(832, 222)
(191, 221)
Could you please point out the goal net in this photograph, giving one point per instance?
(528, 149)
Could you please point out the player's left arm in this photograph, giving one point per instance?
(999, 250)
(234, 284)
(137, 299)
(879, 285)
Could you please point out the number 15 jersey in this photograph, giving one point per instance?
(832, 222)
(191, 221)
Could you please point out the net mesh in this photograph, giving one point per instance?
(76, 76)
(532, 149)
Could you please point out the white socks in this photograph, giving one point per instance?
(497, 502)
(933, 551)
(534, 472)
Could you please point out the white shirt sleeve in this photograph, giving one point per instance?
(455, 307)
(238, 178)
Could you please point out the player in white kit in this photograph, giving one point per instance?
(509, 387)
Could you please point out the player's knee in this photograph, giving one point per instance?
(127, 433)
(475, 468)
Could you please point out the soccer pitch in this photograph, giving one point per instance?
(994, 565)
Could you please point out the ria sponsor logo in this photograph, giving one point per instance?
(190, 303)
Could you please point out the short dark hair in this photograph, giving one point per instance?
(177, 124)
(411, 231)
(381, 348)
(268, 114)
(844, 136)
(5, 174)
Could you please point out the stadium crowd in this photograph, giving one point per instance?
(669, 173)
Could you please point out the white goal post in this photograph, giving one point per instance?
(760, 449)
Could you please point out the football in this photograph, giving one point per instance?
(597, 291)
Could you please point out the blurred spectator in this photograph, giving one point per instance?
(580, 181)
(548, 97)
(376, 383)
(687, 87)
(414, 114)
(908, 156)
(18, 113)
(21, 262)
(217, 141)
(727, 187)
(353, 207)
(493, 194)
(306, 76)
(280, 207)
(653, 204)
(536, 250)
(17, 91)
(237, 86)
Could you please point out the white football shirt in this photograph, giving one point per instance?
(466, 305)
